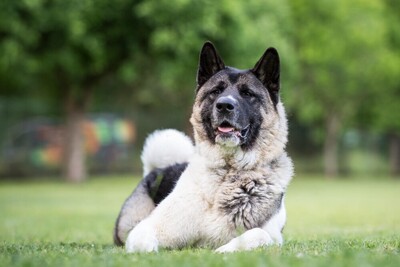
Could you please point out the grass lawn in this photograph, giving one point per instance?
(330, 223)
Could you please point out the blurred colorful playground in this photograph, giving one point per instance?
(38, 145)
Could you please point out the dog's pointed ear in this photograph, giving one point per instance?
(209, 63)
(267, 70)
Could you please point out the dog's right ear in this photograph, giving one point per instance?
(209, 64)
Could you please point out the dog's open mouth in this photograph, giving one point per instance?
(226, 128)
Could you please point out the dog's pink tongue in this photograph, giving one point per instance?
(226, 129)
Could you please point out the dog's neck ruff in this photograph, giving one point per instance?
(218, 157)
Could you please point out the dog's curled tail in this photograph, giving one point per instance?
(166, 147)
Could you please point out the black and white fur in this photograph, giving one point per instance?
(227, 191)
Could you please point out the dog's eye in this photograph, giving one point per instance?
(246, 93)
(216, 91)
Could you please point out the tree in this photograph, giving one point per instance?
(65, 50)
(339, 43)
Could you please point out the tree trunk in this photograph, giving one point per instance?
(74, 150)
(394, 154)
(331, 146)
(75, 102)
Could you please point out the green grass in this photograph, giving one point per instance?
(330, 223)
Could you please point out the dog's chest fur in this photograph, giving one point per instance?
(248, 198)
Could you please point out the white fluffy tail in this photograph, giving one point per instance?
(163, 148)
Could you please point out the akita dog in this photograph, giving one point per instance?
(227, 190)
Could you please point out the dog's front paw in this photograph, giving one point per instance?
(142, 239)
(249, 240)
(230, 247)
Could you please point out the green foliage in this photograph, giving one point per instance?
(340, 45)
(64, 47)
(241, 31)
(337, 55)
(57, 224)
(143, 44)
(385, 104)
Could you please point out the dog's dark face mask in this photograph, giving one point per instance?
(233, 100)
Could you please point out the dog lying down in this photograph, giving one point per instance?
(227, 190)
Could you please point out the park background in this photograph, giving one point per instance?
(82, 83)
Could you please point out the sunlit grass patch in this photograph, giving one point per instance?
(353, 222)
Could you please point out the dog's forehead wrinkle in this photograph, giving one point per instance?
(243, 79)
(234, 75)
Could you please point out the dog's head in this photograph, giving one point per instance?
(231, 104)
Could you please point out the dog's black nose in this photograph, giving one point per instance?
(226, 104)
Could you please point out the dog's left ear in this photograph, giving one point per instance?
(209, 64)
(267, 70)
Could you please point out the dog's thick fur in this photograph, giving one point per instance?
(227, 191)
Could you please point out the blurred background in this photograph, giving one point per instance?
(83, 82)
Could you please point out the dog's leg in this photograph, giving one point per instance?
(136, 207)
(142, 238)
(250, 239)
(271, 233)
(275, 225)
(173, 224)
